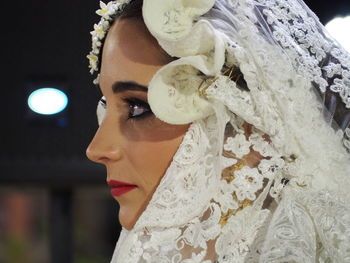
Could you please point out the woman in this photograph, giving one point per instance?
(212, 127)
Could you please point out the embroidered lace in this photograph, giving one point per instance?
(261, 175)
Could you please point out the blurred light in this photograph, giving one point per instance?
(47, 101)
(339, 29)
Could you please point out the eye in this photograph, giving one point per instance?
(138, 108)
(101, 110)
(103, 102)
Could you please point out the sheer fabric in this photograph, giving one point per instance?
(261, 175)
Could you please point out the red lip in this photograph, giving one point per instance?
(119, 188)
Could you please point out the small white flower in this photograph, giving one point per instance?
(104, 9)
(96, 46)
(105, 24)
(96, 81)
(98, 32)
(95, 50)
(93, 60)
(107, 12)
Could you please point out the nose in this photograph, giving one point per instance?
(105, 146)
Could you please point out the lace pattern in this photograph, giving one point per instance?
(229, 206)
(259, 176)
(234, 212)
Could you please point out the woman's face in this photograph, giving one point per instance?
(131, 142)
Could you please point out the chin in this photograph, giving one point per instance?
(127, 220)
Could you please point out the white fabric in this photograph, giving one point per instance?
(178, 101)
(260, 176)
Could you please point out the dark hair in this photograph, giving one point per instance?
(132, 10)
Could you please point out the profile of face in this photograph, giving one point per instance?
(134, 145)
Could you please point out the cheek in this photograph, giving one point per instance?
(150, 146)
(151, 159)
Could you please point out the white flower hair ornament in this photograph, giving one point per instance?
(277, 90)
(108, 13)
(174, 93)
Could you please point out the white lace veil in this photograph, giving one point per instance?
(262, 173)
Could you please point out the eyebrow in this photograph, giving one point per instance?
(121, 86)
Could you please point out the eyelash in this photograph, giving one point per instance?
(133, 102)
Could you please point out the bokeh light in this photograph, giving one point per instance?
(47, 101)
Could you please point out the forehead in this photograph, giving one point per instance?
(131, 53)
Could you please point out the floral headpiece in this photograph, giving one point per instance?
(108, 12)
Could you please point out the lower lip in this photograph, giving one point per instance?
(118, 191)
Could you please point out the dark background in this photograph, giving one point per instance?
(46, 42)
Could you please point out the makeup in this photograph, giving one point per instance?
(119, 188)
(138, 109)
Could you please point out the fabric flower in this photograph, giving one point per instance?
(238, 145)
(224, 197)
(247, 182)
(173, 19)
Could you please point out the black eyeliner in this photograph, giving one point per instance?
(139, 102)
(104, 102)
